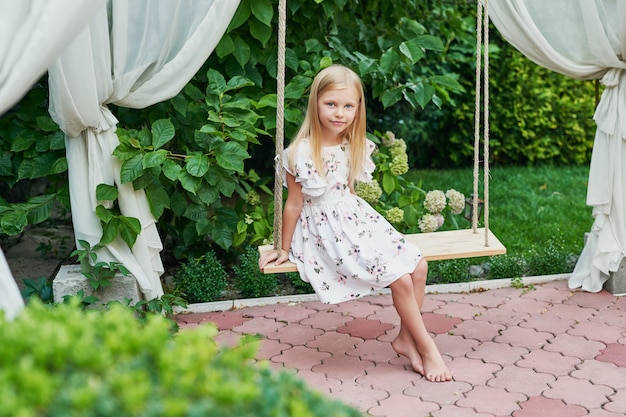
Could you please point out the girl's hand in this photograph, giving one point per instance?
(278, 256)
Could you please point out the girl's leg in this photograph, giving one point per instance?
(420, 348)
(404, 341)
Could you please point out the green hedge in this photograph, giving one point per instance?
(64, 361)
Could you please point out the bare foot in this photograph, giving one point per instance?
(435, 370)
(406, 347)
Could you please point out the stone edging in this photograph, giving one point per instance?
(461, 287)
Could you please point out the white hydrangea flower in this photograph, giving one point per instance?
(369, 191)
(395, 215)
(435, 201)
(428, 223)
(456, 200)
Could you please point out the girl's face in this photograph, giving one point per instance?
(337, 109)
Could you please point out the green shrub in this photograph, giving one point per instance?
(550, 259)
(507, 266)
(201, 280)
(64, 361)
(249, 280)
(448, 271)
(299, 286)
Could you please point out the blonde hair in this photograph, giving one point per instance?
(330, 78)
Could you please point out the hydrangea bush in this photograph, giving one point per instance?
(405, 204)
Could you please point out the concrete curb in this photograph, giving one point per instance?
(461, 287)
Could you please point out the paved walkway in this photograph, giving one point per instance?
(539, 351)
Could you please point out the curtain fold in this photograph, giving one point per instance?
(132, 54)
(32, 34)
(588, 42)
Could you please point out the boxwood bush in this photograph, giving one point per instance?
(66, 361)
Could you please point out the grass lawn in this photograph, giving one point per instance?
(538, 213)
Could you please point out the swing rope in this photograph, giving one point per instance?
(434, 241)
(482, 50)
(280, 125)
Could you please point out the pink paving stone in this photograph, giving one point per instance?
(478, 330)
(460, 310)
(383, 300)
(454, 346)
(528, 338)
(300, 357)
(343, 367)
(546, 407)
(572, 312)
(270, 348)
(326, 320)
(431, 304)
(401, 362)
(364, 328)
(472, 371)
(443, 394)
(360, 397)
(578, 392)
(618, 402)
(390, 378)
(523, 380)
(191, 317)
(576, 346)
(398, 405)
(597, 301)
(600, 332)
(386, 315)
(595, 412)
(259, 325)
(548, 323)
(227, 338)
(492, 400)
(547, 294)
(525, 305)
(289, 313)
(609, 316)
(319, 382)
(613, 353)
(443, 299)
(439, 323)
(504, 317)
(549, 362)
(484, 299)
(335, 343)
(373, 350)
(602, 373)
(225, 320)
(295, 334)
(188, 326)
(455, 411)
(497, 353)
(357, 309)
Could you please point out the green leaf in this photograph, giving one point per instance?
(225, 47)
(217, 83)
(222, 235)
(106, 192)
(242, 51)
(171, 169)
(236, 83)
(104, 214)
(162, 132)
(208, 194)
(412, 50)
(429, 42)
(153, 159)
(197, 164)
(391, 96)
(13, 222)
(388, 60)
(196, 212)
(110, 231)
(21, 143)
(129, 228)
(263, 10)
(231, 156)
(132, 169)
(40, 208)
(189, 182)
(260, 31)
(389, 182)
(242, 14)
(158, 199)
(46, 124)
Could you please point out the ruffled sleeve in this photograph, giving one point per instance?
(368, 165)
(304, 170)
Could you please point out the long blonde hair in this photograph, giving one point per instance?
(330, 78)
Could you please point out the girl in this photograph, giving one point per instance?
(340, 244)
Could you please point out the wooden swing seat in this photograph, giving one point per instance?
(435, 246)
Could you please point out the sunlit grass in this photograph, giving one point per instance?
(531, 209)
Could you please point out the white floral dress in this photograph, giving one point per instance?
(342, 246)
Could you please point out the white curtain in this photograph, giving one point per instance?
(584, 39)
(32, 34)
(133, 54)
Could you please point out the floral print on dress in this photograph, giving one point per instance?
(341, 245)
